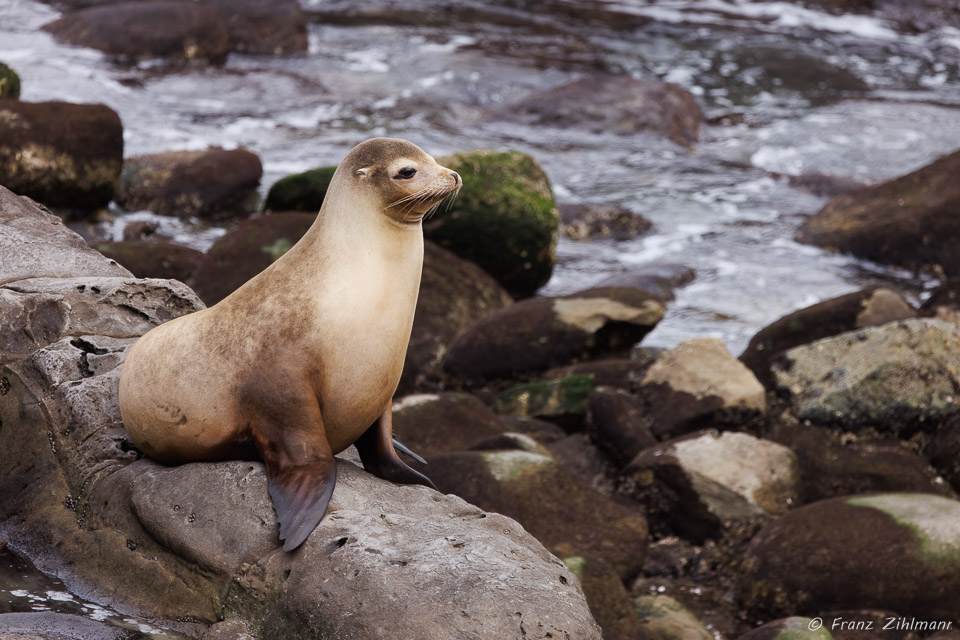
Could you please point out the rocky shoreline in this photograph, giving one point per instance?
(593, 485)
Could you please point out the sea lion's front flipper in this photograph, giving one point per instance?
(380, 458)
(301, 475)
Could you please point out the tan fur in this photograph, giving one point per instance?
(323, 331)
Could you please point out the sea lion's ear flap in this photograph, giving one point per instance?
(362, 172)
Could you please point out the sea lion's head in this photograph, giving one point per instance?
(407, 181)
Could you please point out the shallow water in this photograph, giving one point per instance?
(725, 208)
(23, 589)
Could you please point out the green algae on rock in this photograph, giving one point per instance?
(898, 552)
(504, 218)
(554, 398)
(608, 599)
(898, 377)
(794, 628)
(9, 83)
(663, 618)
(300, 191)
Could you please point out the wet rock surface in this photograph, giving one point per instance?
(132, 31)
(191, 183)
(905, 222)
(621, 104)
(586, 221)
(546, 332)
(59, 153)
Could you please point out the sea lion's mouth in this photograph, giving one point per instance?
(414, 208)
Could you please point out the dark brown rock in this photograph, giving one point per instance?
(153, 259)
(539, 333)
(454, 294)
(191, 183)
(658, 279)
(609, 601)
(552, 503)
(910, 222)
(946, 295)
(943, 451)
(832, 466)
(589, 222)
(868, 307)
(820, 184)
(134, 31)
(610, 103)
(578, 454)
(75, 152)
(273, 28)
(439, 423)
(619, 423)
(617, 373)
(897, 552)
(248, 248)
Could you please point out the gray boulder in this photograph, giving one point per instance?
(897, 377)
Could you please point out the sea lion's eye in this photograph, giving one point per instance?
(406, 173)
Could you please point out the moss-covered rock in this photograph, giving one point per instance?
(210, 183)
(60, 154)
(153, 259)
(540, 333)
(911, 221)
(247, 248)
(563, 511)
(795, 628)
(9, 83)
(663, 618)
(868, 307)
(898, 552)
(608, 599)
(504, 218)
(564, 399)
(300, 191)
(898, 377)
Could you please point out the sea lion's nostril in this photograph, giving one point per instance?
(456, 176)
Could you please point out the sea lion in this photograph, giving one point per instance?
(303, 360)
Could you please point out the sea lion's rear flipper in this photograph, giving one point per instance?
(301, 475)
(380, 458)
(300, 496)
